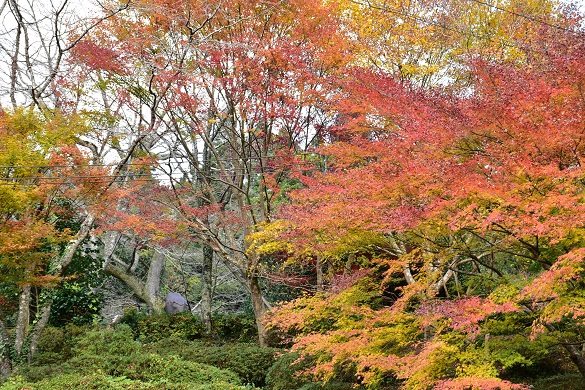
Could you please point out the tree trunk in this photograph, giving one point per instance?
(152, 284)
(319, 269)
(206, 288)
(576, 357)
(23, 320)
(259, 307)
(350, 261)
(42, 321)
(147, 291)
(5, 364)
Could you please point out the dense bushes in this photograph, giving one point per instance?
(249, 361)
(159, 326)
(99, 381)
(158, 353)
(145, 349)
(150, 328)
(235, 327)
(122, 360)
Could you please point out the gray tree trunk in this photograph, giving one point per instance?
(5, 364)
(259, 307)
(146, 290)
(23, 321)
(207, 288)
(577, 357)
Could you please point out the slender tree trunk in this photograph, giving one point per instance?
(207, 288)
(58, 267)
(203, 178)
(576, 357)
(350, 261)
(259, 307)
(319, 269)
(5, 364)
(23, 320)
(42, 321)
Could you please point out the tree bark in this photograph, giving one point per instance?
(5, 364)
(259, 307)
(319, 270)
(147, 291)
(576, 357)
(207, 288)
(42, 321)
(23, 320)
(575, 354)
(152, 284)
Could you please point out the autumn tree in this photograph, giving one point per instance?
(37, 180)
(230, 92)
(430, 42)
(38, 45)
(478, 202)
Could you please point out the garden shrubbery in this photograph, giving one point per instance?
(150, 328)
(143, 350)
(99, 381)
(120, 359)
(159, 352)
(249, 361)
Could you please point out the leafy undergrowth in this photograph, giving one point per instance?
(249, 361)
(81, 358)
(571, 381)
(113, 359)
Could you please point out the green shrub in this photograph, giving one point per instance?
(150, 328)
(100, 381)
(249, 361)
(116, 341)
(153, 367)
(570, 381)
(159, 326)
(131, 317)
(95, 381)
(235, 327)
(287, 372)
(329, 386)
(114, 353)
(75, 302)
(55, 344)
(220, 386)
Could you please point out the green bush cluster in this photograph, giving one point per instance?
(235, 327)
(56, 344)
(159, 326)
(150, 328)
(121, 358)
(99, 381)
(250, 361)
(122, 361)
